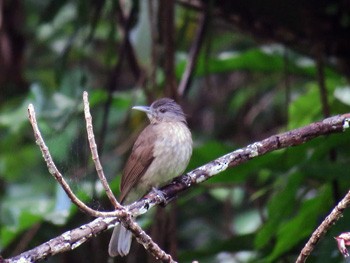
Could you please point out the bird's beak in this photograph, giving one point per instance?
(146, 109)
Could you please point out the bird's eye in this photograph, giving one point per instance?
(162, 110)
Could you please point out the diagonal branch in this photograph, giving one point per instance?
(65, 242)
(94, 152)
(295, 137)
(327, 223)
(121, 213)
(193, 55)
(52, 167)
(74, 238)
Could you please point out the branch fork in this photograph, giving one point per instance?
(121, 214)
(105, 220)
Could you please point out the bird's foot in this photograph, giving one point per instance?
(160, 194)
(164, 201)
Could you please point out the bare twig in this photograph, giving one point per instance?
(344, 203)
(94, 152)
(122, 214)
(74, 238)
(192, 61)
(53, 169)
(326, 110)
(329, 221)
(295, 137)
(145, 240)
(65, 242)
(125, 53)
(155, 45)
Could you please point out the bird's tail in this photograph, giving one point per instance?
(120, 241)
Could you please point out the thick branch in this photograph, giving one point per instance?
(295, 137)
(65, 242)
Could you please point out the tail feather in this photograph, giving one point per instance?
(120, 241)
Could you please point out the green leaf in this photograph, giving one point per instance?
(23, 206)
(301, 226)
(254, 60)
(305, 109)
(8, 233)
(279, 207)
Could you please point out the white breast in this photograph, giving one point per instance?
(172, 152)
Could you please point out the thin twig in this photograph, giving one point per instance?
(53, 169)
(193, 55)
(326, 111)
(94, 152)
(125, 53)
(155, 45)
(126, 218)
(338, 210)
(121, 213)
(329, 221)
(71, 239)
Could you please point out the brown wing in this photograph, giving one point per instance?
(140, 159)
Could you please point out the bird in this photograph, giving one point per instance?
(161, 152)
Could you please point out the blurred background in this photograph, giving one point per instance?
(242, 70)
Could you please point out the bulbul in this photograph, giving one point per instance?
(160, 153)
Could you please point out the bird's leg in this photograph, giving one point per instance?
(160, 194)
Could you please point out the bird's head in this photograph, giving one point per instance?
(163, 110)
